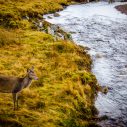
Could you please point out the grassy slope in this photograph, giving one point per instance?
(65, 93)
(12, 11)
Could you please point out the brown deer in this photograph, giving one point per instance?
(15, 85)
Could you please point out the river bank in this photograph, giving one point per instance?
(122, 8)
(65, 93)
(103, 29)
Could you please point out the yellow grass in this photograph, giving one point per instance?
(65, 92)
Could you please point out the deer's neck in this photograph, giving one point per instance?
(26, 82)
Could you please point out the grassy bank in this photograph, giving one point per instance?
(65, 92)
(14, 11)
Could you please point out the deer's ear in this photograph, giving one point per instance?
(28, 70)
(32, 68)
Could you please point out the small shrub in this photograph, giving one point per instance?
(60, 48)
(25, 24)
(13, 24)
(69, 36)
(70, 123)
(40, 105)
(80, 62)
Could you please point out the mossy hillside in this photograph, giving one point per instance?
(65, 92)
(12, 12)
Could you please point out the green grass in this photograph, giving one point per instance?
(65, 92)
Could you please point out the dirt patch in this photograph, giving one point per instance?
(122, 8)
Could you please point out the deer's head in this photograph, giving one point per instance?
(31, 74)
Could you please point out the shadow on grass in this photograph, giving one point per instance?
(9, 123)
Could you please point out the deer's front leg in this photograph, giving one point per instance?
(15, 99)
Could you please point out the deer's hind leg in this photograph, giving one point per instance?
(15, 99)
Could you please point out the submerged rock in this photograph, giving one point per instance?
(56, 14)
(98, 56)
(104, 89)
(49, 17)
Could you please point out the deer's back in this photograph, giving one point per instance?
(7, 84)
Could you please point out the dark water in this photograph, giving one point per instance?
(104, 30)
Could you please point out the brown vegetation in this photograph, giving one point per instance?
(122, 8)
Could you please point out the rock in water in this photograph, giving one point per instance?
(56, 14)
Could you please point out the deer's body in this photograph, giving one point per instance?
(15, 84)
(12, 84)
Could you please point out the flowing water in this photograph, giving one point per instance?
(103, 29)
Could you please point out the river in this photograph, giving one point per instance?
(103, 29)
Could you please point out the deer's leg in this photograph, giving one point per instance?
(14, 99)
(17, 100)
